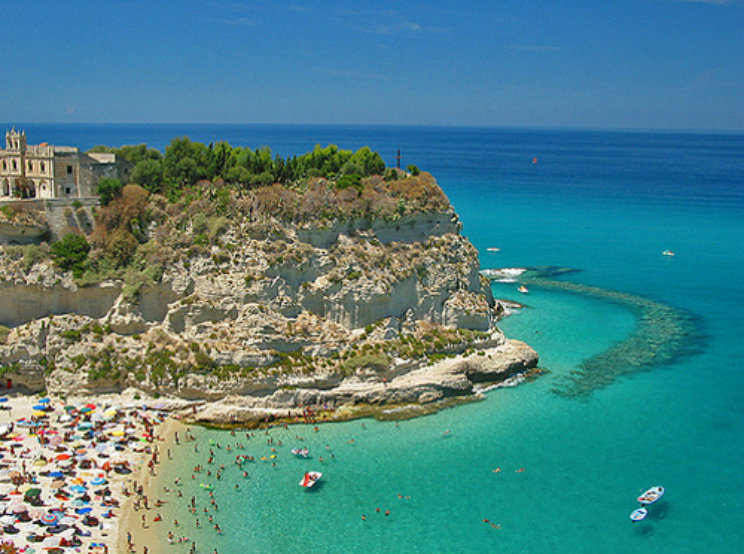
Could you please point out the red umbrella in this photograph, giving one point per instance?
(62, 457)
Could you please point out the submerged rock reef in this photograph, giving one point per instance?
(249, 311)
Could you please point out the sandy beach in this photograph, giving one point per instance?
(136, 533)
(68, 469)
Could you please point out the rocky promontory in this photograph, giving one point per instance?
(253, 302)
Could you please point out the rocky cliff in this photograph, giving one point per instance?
(270, 315)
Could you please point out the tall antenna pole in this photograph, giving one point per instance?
(398, 166)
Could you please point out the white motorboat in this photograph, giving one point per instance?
(300, 452)
(639, 514)
(310, 478)
(651, 495)
(667, 253)
(523, 289)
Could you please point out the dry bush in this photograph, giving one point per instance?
(276, 200)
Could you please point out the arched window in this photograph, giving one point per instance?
(14, 165)
(6, 188)
(43, 167)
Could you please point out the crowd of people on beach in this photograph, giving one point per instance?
(64, 466)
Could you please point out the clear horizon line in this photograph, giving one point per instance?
(689, 130)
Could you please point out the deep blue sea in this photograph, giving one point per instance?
(644, 357)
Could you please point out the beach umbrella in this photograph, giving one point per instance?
(7, 520)
(78, 489)
(44, 401)
(83, 511)
(31, 492)
(62, 457)
(49, 518)
(56, 474)
(39, 407)
(98, 481)
(70, 408)
(40, 462)
(57, 484)
(67, 520)
(3, 398)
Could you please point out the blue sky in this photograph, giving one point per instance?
(651, 64)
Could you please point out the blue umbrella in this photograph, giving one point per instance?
(98, 481)
(78, 489)
(3, 398)
(85, 510)
(44, 401)
(39, 407)
(56, 474)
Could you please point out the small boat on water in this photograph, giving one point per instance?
(639, 514)
(651, 495)
(667, 253)
(310, 478)
(300, 452)
(493, 249)
(523, 289)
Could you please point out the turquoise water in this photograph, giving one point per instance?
(607, 205)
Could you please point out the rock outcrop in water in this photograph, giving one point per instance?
(269, 314)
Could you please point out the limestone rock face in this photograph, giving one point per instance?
(379, 312)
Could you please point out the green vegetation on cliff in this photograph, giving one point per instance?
(186, 162)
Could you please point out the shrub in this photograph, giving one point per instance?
(70, 253)
(377, 362)
(32, 254)
(217, 226)
(346, 181)
(121, 246)
(108, 189)
(71, 334)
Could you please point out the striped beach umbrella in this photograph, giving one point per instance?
(49, 518)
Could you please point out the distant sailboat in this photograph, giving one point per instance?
(534, 160)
